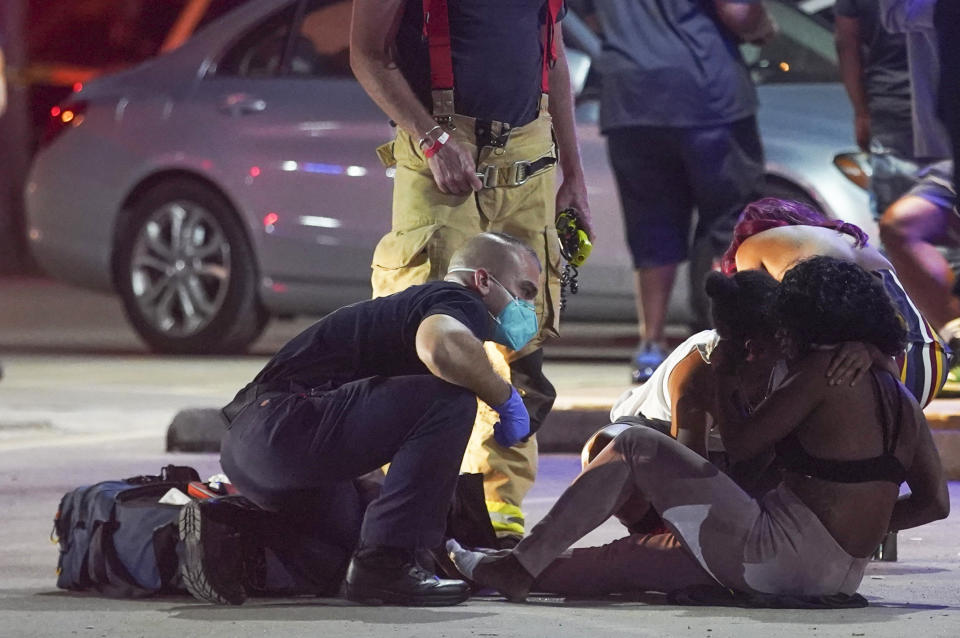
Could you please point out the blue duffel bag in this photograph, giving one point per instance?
(115, 537)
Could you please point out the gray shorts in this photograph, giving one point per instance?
(935, 184)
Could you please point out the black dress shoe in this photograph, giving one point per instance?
(380, 575)
(219, 549)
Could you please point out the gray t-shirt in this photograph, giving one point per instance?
(669, 63)
(886, 77)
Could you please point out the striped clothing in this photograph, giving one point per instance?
(924, 363)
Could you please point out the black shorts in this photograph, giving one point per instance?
(664, 173)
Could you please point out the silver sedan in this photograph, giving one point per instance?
(234, 178)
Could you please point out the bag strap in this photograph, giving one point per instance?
(96, 558)
(110, 576)
(179, 474)
(168, 474)
(164, 542)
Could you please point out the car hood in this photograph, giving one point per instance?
(807, 113)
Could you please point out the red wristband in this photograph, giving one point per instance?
(430, 152)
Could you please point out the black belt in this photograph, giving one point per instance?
(252, 391)
(514, 174)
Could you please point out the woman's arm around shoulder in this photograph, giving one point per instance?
(747, 433)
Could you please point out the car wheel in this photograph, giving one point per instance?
(186, 274)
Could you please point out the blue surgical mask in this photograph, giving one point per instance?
(517, 323)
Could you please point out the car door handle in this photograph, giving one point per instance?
(242, 104)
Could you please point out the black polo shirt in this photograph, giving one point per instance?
(496, 49)
(371, 338)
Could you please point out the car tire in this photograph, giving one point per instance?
(186, 273)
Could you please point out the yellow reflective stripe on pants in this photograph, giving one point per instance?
(506, 518)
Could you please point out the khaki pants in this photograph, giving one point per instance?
(428, 226)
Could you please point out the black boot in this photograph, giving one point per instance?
(220, 552)
(390, 575)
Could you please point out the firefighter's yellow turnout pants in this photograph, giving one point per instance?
(428, 226)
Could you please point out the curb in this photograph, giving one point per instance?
(564, 432)
(196, 430)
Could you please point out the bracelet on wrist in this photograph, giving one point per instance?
(426, 136)
(436, 146)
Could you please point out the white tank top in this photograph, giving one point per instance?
(652, 399)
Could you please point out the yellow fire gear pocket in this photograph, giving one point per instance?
(405, 258)
(407, 153)
(385, 153)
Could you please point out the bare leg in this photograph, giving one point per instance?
(909, 229)
(653, 287)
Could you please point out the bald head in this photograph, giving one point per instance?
(494, 252)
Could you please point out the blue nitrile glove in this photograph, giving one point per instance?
(514, 421)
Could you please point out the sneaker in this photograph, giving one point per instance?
(391, 576)
(646, 360)
(215, 548)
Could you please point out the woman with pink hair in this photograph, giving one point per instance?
(774, 234)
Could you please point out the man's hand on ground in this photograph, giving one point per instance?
(454, 169)
(574, 195)
(514, 422)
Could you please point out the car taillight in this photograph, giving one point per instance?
(63, 117)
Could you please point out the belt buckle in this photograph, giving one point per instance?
(517, 166)
(488, 175)
(446, 121)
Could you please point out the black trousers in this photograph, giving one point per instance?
(297, 453)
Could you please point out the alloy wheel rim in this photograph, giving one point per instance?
(180, 268)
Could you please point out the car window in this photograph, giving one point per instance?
(321, 47)
(259, 52)
(217, 8)
(803, 51)
(109, 34)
